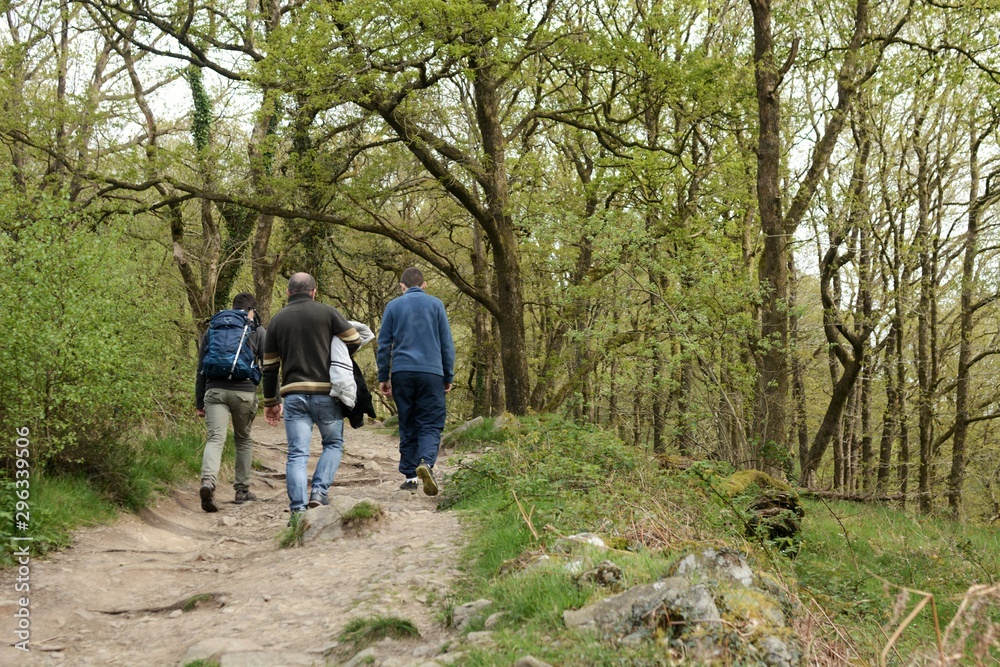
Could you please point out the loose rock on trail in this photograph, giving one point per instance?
(173, 584)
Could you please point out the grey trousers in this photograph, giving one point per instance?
(220, 405)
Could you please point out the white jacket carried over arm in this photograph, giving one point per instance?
(343, 387)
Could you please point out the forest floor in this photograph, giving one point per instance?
(114, 597)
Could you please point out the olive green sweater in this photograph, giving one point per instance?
(298, 343)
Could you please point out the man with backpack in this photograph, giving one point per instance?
(229, 369)
(298, 344)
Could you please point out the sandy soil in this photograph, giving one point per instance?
(114, 597)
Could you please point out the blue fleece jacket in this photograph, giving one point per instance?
(415, 336)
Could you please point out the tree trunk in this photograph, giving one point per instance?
(957, 474)
(659, 409)
(770, 356)
(867, 454)
(264, 266)
(903, 470)
(835, 328)
(865, 278)
(851, 419)
(798, 374)
(685, 437)
(925, 402)
(510, 317)
(890, 418)
(484, 354)
(772, 271)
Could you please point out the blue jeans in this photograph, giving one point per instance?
(420, 401)
(301, 412)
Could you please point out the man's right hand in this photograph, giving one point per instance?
(385, 388)
(200, 412)
(273, 413)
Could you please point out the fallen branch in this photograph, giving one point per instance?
(187, 604)
(853, 497)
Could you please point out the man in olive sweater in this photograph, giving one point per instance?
(298, 343)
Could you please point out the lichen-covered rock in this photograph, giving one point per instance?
(573, 543)
(506, 422)
(326, 522)
(715, 564)
(462, 616)
(641, 608)
(751, 608)
(740, 482)
(452, 436)
(710, 606)
(774, 512)
(777, 516)
(606, 574)
(779, 653)
(530, 661)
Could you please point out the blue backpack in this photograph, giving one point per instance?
(228, 355)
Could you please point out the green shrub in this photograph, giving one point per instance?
(87, 343)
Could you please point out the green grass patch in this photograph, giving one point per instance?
(130, 479)
(294, 534)
(553, 478)
(362, 632)
(152, 466)
(363, 511)
(163, 462)
(55, 506)
(484, 433)
(550, 479)
(859, 561)
(362, 515)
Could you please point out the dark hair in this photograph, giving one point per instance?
(301, 282)
(244, 301)
(412, 277)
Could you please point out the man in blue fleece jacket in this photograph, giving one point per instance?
(416, 363)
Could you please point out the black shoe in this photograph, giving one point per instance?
(243, 496)
(316, 499)
(409, 485)
(426, 475)
(295, 517)
(207, 494)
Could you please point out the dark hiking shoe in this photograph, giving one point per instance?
(316, 499)
(296, 516)
(426, 475)
(244, 495)
(207, 494)
(409, 485)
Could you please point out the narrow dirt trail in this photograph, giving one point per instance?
(112, 598)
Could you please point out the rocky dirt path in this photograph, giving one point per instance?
(113, 598)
